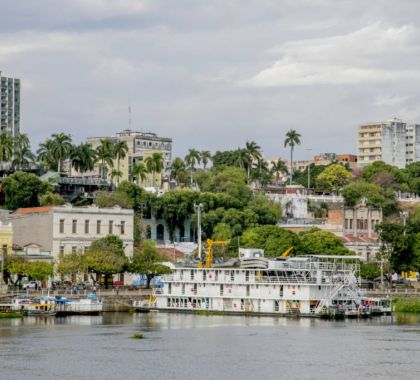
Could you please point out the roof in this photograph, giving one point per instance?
(360, 239)
(33, 210)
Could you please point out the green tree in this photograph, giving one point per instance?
(113, 198)
(105, 154)
(369, 271)
(39, 271)
(83, 158)
(139, 172)
(72, 264)
(14, 266)
(178, 170)
(154, 164)
(6, 147)
(222, 231)
(115, 174)
(60, 148)
(274, 240)
(22, 154)
(334, 177)
(191, 159)
(277, 168)
(45, 155)
(266, 211)
(106, 257)
(51, 199)
(23, 190)
(120, 151)
(148, 262)
(318, 242)
(292, 139)
(252, 150)
(205, 156)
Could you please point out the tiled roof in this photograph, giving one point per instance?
(360, 239)
(32, 210)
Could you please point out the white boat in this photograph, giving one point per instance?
(36, 306)
(89, 305)
(318, 285)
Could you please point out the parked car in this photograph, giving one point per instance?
(30, 285)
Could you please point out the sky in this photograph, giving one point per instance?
(213, 74)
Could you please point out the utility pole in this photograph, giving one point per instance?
(199, 208)
(404, 214)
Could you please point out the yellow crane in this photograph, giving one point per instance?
(209, 254)
(287, 251)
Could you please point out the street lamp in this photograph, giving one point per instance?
(199, 208)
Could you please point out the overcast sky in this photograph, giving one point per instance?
(213, 74)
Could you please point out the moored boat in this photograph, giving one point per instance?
(89, 305)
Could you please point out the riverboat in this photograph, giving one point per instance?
(310, 286)
(36, 306)
(89, 305)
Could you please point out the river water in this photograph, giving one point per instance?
(184, 346)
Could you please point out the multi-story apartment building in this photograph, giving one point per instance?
(65, 229)
(413, 143)
(9, 105)
(382, 140)
(140, 146)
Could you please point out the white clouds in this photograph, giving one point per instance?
(385, 100)
(99, 9)
(375, 53)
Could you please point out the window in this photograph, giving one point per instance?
(73, 249)
(61, 249)
(98, 226)
(87, 226)
(111, 227)
(61, 226)
(122, 227)
(74, 226)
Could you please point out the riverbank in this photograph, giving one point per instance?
(407, 304)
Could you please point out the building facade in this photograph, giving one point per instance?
(6, 238)
(413, 143)
(382, 141)
(65, 229)
(141, 145)
(9, 105)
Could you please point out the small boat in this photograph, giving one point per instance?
(89, 305)
(37, 306)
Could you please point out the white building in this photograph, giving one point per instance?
(65, 229)
(413, 143)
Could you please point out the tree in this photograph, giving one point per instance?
(252, 150)
(148, 262)
(22, 154)
(72, 264)
(113, 198)
(274, 240)
(205, 156)
(14, 266)
(120, 151)
(178, 170)
(106, 257)
(39, 271)
(45, 155)
(292, 139)
(222, 231)
(23, 190)
(191, 159)
(51, 199)
(154, 164)
(105, 154)
(6, 146)
(83, 158)
(320, 242)
(333, 178)
(369, 271)
(61, 147)
(139, 172)
(115, 173)
(266, 211)
(278, 167)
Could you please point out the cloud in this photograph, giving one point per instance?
(106, 8)
(391, 100)
(375, 53)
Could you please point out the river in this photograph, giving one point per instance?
(184, 346)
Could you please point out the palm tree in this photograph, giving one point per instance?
(45, 155)
(61, 148)
(154, 164)
(6, 147)
(105, 154)
(278, 168)
(240, 158)
(83, 158)
(205, 157)
(22, 157)
(292, 139)
(139, 172)
(178, 170)
(120, 151)
(193, 157)
(252, 150)
(115, 173)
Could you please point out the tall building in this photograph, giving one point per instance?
(9, 105)
(140, 146)
(382, 140)
(413, 143)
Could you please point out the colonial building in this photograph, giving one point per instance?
(65, 229)
(141, 145)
